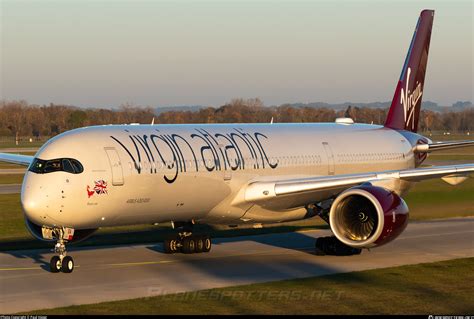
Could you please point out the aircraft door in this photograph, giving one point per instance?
(230, 162)
(330, 158)
(115, 165)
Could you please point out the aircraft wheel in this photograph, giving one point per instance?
(174, 246)
(207, 244)
(332, 246)
(55, 264)
(67, 265)
(167, 246)
(189, 245)
(320, 246)
(199, 244)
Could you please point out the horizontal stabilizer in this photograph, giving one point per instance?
(439, 146)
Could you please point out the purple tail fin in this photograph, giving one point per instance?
(405, 108)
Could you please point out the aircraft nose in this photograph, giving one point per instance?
(32, 202)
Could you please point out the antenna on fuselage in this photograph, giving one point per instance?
(153, 121)
(271, 121)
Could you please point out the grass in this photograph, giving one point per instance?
(458, 154)
(8, 165)
(452, 137)
(465, 153)
(454, 154)
(437, 199)
(22, 153)
(11, 178)
(22, 144)
(449, 157)
(432, 288)
(11, 216)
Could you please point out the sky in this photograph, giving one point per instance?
(108, 53)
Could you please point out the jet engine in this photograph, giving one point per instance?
(368, 216)
(37, 232)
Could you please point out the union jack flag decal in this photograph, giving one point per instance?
(100, 187)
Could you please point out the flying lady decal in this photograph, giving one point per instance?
(100, 188)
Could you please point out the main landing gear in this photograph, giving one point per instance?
(188, 245)
(329, 245)
(62, 262)
(332, 246)
(187, 242)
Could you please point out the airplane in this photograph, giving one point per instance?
(353, 176)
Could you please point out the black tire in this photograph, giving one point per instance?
(189, 245)
(199, 244)
(174, 246)
(332, 246)
(167, 246)
(55, 264)
(341, 249)
(207, 244)
(67, 265)
(319, 246)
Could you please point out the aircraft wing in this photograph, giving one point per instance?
(24, 160)
(266, 192)
(439, 146)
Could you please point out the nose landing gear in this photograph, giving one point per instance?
(62, 262)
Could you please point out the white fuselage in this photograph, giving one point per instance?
(137, 174)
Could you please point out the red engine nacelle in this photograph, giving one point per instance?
(368, 216)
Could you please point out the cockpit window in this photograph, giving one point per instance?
(53, 166)
(37, 166)
(68, 165)
(77, 166)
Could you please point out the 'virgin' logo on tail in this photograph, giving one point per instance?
(409, 101)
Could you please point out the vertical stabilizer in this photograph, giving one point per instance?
(405, 109)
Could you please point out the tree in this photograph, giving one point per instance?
(76, 119)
